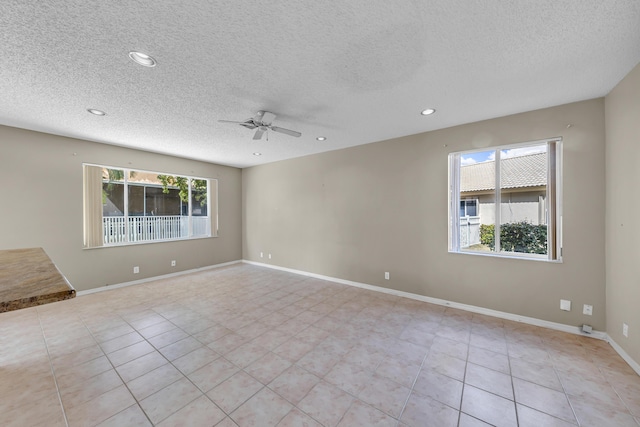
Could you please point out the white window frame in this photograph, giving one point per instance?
(553, 201)
(212, 201)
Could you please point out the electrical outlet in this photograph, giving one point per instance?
(565, 305)
(625, 330)
(261, 255)
(136, 270)
(386, 275)
(587, 309)
(269, 256)
(173, 263)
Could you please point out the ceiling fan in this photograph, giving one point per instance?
(262, 122)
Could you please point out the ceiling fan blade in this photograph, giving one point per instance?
(228, 121)
(268, 117)
(258, 134)
(285, 131)
(248, 125)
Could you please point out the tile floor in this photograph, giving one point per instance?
(249, 346)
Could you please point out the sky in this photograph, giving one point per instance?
(489, 156)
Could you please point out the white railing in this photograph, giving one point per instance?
(116, 229)
(469, 231)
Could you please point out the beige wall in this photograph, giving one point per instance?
(356, 213)
(623, 233)
(42, 207)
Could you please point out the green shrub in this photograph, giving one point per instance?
(519, 236)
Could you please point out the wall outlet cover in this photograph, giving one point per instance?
(565, 305)
(587, 309)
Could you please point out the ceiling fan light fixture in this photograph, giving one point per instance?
(96, 112)
(428, 111)
(321, 138)
(143, 59)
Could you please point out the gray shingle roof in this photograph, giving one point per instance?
(517, 172)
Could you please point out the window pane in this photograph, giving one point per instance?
(113, 222)
(471, 208)
(477, 192)
(200, 221)
(523, 187)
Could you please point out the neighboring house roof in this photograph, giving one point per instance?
(516, 172)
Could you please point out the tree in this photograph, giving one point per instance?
(198, 187)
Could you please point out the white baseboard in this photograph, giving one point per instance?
(634, 365)
(472, 308)
(151, 279)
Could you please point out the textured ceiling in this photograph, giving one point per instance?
(356, 72)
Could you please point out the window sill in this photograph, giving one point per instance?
(523, 257)
(119, 245)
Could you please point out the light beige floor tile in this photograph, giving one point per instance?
(489, 359)
(140, 366)
(195, 360)
(423, 411)
(80, 393)
(592, 414)
(489, 380)
(326, 403)
(199, 413)
(361, 414)
(132, 352)
(121, 342)
(133, 416)
(488, 407)
(294, 349)
(528, 417)
(318, 362)
(169, 400)
(265, 408)
(268, 367)
(385, 395)
(45, 412)
(543, 399)
(180, 348)
(297, 418)
(246, 354)
(439, 387)
(294, 384)
(400, 371)
(544, 375)
(166, 338)
(100, 408)
(234, 391)
(153, 381)
(348, 377)
(157, 329)
(68, 376)
(469, 421)
(446, 365)
(212, 374)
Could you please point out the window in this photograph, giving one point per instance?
(506, 201)
(124, 206)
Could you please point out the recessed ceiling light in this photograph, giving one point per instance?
(428, 111)
(142, 59)
(321, 138)
(257, 154)
(96, 112)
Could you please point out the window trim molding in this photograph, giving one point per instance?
(212, 198)
(553, 201)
